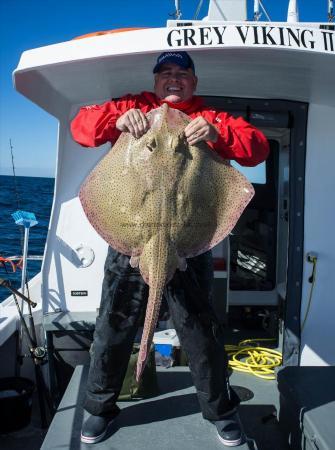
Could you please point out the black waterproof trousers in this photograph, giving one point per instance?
(123, 304)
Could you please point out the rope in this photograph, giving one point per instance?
(248, 357)
(10, 261)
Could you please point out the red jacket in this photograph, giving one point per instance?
(95, 125)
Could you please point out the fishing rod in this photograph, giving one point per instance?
(17, 198)
(6, 283)
(27, 220)
(14, 174)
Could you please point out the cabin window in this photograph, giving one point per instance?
(254, 174)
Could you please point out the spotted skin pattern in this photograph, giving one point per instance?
(160, 201)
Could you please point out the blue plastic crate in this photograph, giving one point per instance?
(164, 349)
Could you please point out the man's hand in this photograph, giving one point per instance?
(134, 122)
(200, 130)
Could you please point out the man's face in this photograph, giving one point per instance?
(175, 84)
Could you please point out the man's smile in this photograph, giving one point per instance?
(173, 89)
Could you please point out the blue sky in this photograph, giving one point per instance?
(28, 24)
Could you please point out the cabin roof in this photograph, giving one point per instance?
(261, 61)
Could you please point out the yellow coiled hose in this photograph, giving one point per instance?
(248, 357)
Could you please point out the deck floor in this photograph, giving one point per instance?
(170, 421)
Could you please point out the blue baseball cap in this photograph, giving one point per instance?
(182, 59)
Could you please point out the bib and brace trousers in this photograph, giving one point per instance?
(123, 303)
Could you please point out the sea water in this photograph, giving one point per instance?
(26, 194)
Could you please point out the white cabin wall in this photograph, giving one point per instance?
(318, 334)
(70, 228)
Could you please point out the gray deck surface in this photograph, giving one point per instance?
(170, 421)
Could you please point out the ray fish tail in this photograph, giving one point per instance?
(156, 257)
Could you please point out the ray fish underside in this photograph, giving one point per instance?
(160, 201)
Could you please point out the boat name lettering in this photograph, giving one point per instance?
(196, 36)
(79, 293)
(294, 37)
(329, 41)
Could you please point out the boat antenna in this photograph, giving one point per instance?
(178, 11)
(197, 11)
(331, 16)
(293, 12)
